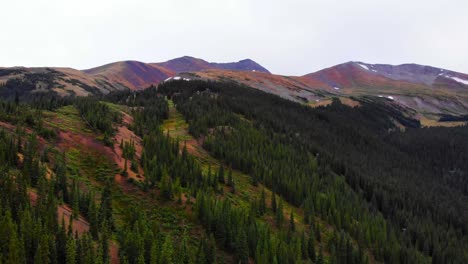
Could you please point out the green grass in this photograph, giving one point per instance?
(117, 108)
(68, 119)
(175, 125)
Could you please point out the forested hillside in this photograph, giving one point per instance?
(205, 172)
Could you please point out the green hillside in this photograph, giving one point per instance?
(204, 172)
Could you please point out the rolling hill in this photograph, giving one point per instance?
(133, 75)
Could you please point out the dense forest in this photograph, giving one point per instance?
(333, 184)
(412, 183)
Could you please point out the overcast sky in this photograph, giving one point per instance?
(291, 37)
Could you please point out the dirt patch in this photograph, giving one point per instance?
(8, 126)
(126, 135)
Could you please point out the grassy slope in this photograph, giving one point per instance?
(89, 162)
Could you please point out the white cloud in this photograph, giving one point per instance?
(289, 37)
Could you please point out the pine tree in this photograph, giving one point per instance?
(210, 250)
(262, 203)
(279, 214)
(167, 251)
(273, 202)
(320, 259)
(221, 175)
(93, 218)
(154, 255)
(233, 185)
(292, 224)
(15, 249)
(184, 250)
(230, 179)
(71, 251)
(242, 247)
(166, 186)
(311, 246)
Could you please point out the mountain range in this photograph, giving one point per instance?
(425, 91)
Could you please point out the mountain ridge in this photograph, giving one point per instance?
(426, 90)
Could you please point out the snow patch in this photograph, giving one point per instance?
(380, 96)
(177, 78)
(186, 79)
(363, 66)
(336, 88)
(168, 79)
(465, 82)
(390, 97)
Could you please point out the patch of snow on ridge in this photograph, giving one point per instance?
(177, 78)
(363, 66)
(465, 82)
(390, 97)
(336, 88)
(168, 79)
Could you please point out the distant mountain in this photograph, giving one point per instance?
(138, 75)
(362, 74)
(134, 75)
(190, 64)
(120, 75)
(426, 91)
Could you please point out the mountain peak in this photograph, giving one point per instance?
(190, 64)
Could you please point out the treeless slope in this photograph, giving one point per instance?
(138, 75)
(293, 88)
(131, 74)
(191, 64)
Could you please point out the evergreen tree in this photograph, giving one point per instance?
(221, 174)
(230, 179)
(167, 251)
(279, 214)
(242, 247)
(71, 251)
(320, 259)
(166, 186)
(273, 202)
(311, 247)
(262, 202)
(292, 224)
